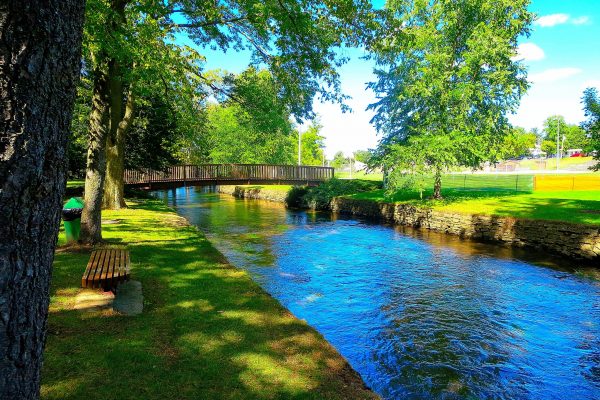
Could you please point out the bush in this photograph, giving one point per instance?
(319, 197)
(295, 195)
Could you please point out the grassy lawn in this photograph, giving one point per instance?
(207, 330)
(571, 206)
(359, 175)
(564, 163)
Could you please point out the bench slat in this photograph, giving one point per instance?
(86, 273)
(95, 266)
(113, 267)
(98, 273)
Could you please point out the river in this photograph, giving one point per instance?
(420, 315)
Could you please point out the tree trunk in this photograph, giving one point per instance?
(91, 218)
(40, 52)
(437, 184)
(114, 198)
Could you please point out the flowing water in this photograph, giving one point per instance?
(419, 315)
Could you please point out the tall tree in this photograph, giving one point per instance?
(446, 79)
(571, 136)
(339, 160)
(517, 143)
(40, 44)
(591, 107)
(312, 144)
(295, 39)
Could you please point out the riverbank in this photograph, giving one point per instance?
(572, 240)
(207, 330)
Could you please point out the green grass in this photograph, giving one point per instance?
(551, 162)
(207, 330)
(571, 206)
(375, 176)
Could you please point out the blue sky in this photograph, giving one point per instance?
(562, 53)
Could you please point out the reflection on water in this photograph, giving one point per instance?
(417, 314)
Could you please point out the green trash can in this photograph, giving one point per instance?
(71, 215)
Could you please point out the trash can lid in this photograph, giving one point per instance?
(74, 202)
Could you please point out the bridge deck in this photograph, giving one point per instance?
(227, 174)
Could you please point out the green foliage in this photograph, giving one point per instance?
(152, 136)
(446, 80)
(363, 156)
(571, 136)
(78, 142)
(235, 137)
(339, 160)
(517, 143)
(319, 197)
(251, 125)
(549, 147)
(312, 144)
(591, 106)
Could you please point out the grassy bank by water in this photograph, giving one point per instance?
(578, 206)
(207, 330)
(581, 207)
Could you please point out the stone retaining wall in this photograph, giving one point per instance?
(570, 240)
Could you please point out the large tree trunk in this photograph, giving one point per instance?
(114, 198)
(437, 184)
(40, 50)
(91, 218)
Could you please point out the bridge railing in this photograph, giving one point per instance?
(229, 172)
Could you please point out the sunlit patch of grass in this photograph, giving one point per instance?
(570, 206)
(207, 330)
(374, 176)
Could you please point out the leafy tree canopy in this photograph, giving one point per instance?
(591, 106)
(517, 143)
(447, 77)
(312, 143)
(339, 160)
(363, 156)
(571, 136)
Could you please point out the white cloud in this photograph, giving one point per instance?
(558, 19)
(580, 20)
(552, 20)
(529, 52)
(554, 74)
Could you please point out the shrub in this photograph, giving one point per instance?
(319, 197)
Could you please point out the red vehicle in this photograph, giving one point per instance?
(578, 154)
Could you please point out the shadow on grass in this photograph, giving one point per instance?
(207, 331)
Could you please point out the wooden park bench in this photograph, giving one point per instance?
(106, 269)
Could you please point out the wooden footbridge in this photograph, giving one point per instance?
(227, 174)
